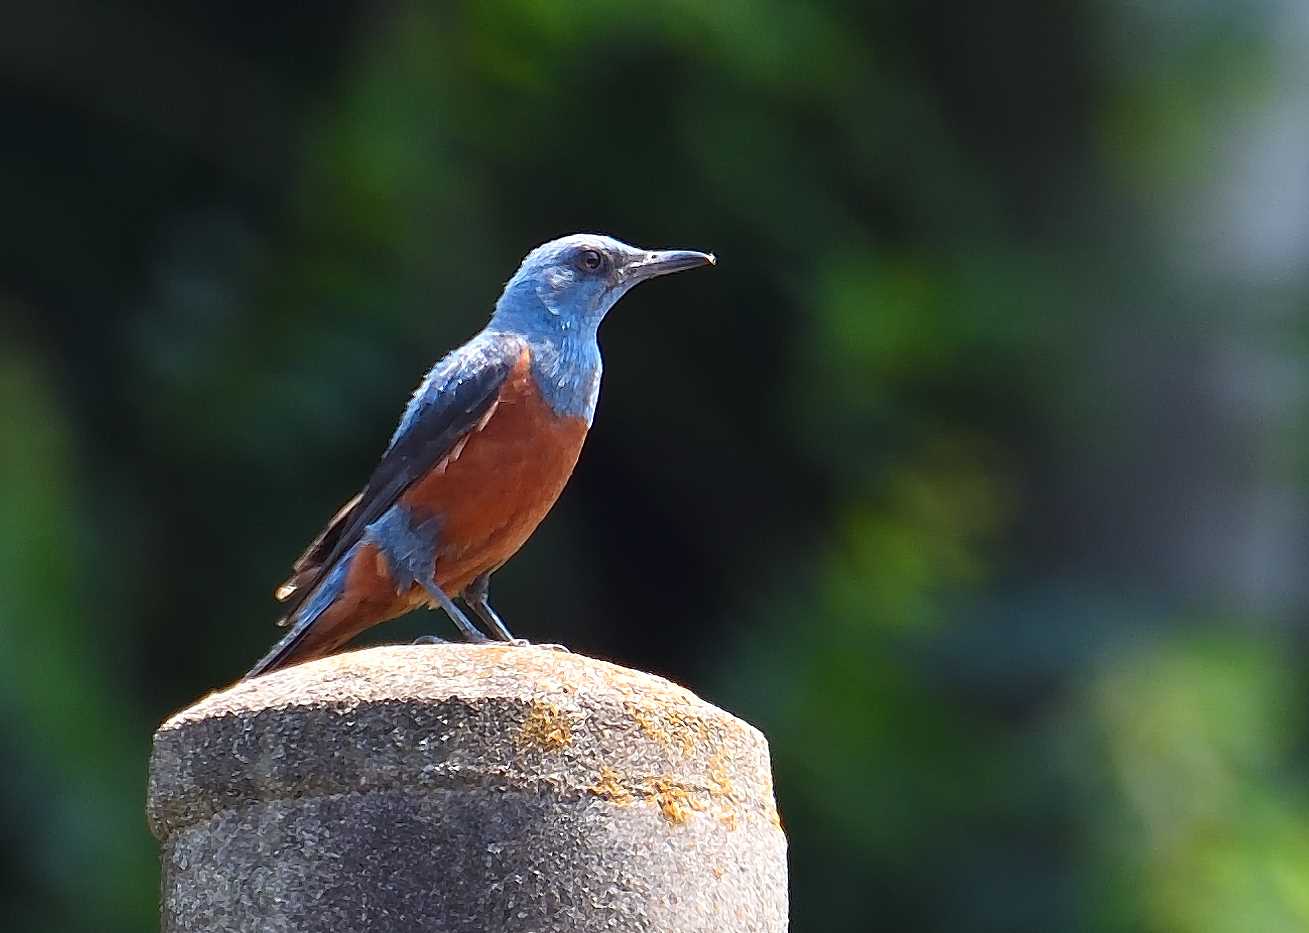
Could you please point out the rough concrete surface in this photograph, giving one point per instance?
(459, 788)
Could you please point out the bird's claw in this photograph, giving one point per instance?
(548, 646)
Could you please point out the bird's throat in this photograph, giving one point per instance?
(567, 369)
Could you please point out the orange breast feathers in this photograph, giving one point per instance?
(498, 481)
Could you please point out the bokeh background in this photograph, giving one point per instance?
(975, 475)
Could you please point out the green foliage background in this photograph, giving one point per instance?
(975, 475)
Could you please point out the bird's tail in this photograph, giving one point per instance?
(297, 644)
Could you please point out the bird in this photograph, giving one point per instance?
(482, 452)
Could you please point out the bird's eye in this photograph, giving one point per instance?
(592, 260)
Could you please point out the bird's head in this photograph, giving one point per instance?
(571, 283)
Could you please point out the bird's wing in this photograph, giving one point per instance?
(454, 397)
(308, 564)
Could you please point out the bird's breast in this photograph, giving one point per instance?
(498, 481)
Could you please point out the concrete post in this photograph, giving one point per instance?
(464, 789)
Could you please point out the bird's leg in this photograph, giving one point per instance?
(466, 628)
(408, 543)
(477, 596)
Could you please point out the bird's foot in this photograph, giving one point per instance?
(490, 642)
(545, 646)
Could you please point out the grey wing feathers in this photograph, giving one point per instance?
(307, 564)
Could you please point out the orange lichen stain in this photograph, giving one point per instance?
(647, 722)
(770, 802)
(723, 792)
(720, 780)
(546, 727)
(717, 872)
(674, 802)
(688, 732)
(609, 786)
(669, 727)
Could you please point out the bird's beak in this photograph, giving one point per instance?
(662, 262)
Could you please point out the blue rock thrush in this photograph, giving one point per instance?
(483, 451)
